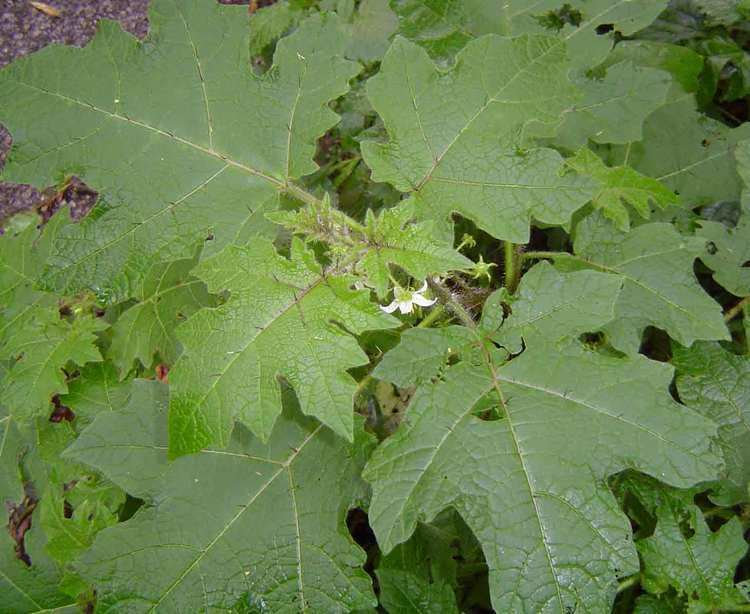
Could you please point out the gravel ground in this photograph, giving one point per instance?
(24, 29)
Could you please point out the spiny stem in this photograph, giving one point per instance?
(511, 266)
(736, 310)
(446, 298)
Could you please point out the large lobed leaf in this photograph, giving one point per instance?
(684, 552)
(177, 134)
(454, 136)
(247, 522)
(614, 106)
(38, 351)
(392, 238)
(445, 26)
(689, 152)
(660, 288)
(531, 483)
(621, 186)
(716, 383)
(283, 319)
(166, 295)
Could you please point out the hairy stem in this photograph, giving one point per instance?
(446, 298)
(511, 266)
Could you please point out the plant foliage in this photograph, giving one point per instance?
(395, 306)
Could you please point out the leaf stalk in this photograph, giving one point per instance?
(512, 269)
(733, 312)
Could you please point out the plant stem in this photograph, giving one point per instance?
(568, 256)
(733, 312)
(362, 384)
(718, 511)
(300, 194)
(543, 255)
(628, 583)
(511, 266)
(431, 317)
(446, 298)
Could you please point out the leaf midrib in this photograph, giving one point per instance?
(616, 271)
(285, 466)
(253, 338)
(164, 133)
(490, 100)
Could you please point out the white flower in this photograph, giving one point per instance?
(405, 299)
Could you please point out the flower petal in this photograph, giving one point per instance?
(405, 306)
(423, 288)
(422, 301)
(390, 308)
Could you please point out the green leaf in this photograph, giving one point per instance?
(23, 588)
(660, 289)
(690, 153)
(269, 23)
(443, 27)
(588, 45)
(683, 552)
(169, 131)
(614, 106)
(391, 238)
(685, 65)
(167, 295)
(418, 576)
(724, 12)
(727, 253)
(621, 185)
(663, 604)
(248, 519)
(132, 437)
(68, 537)
(31, 589)
(454, 136)
(531, 484)
(39, 350)
(372, 27)
(22, 255)
(96, 389)
(551, 306)
(727, 249)
(716, 383)
(284, 318)
(422, 354)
